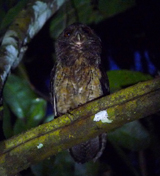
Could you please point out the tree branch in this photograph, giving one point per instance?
(135, 102)
(25, 26)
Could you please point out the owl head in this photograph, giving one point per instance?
(79, 40)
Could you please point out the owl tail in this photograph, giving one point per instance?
(90, 150)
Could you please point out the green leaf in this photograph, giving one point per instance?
(64, 165)
(7, 123)
(132, 136)
(19, 126)
(112, 7)
(83, 11)
(119, 79)
(18, 95)
(12, 13)
(49, 118)
(61, 165)
(2, 15)
(23, 102)
(92, 169)
(36, 112)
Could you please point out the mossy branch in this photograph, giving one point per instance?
(135, 102)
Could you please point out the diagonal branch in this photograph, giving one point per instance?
(135, 102)
(24, 27)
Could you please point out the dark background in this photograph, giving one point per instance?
(131, 40)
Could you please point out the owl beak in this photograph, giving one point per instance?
(79, 37)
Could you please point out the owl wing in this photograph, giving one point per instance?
(52, 93)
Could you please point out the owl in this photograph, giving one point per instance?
(78, 78)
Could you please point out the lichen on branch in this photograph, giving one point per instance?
(126, 105)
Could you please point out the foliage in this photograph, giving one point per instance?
(96, 11)
(24, 104)
(8, 16)
(119, 79)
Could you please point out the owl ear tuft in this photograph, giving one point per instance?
(87, 30)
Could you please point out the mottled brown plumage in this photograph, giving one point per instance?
(78, 78)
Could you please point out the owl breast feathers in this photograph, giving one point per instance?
(78, 78)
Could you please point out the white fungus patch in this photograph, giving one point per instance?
(23, 49)
(10, 45)
(41, 13)
(11, 51)
(10, 58)
(25, 40)
(8, 38)
(60, 2)
(40, 145)
(80, 90)
(102, 116)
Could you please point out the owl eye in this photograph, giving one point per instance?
(67, 33)
(87, 30)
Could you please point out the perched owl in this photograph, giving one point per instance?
(78, 78)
